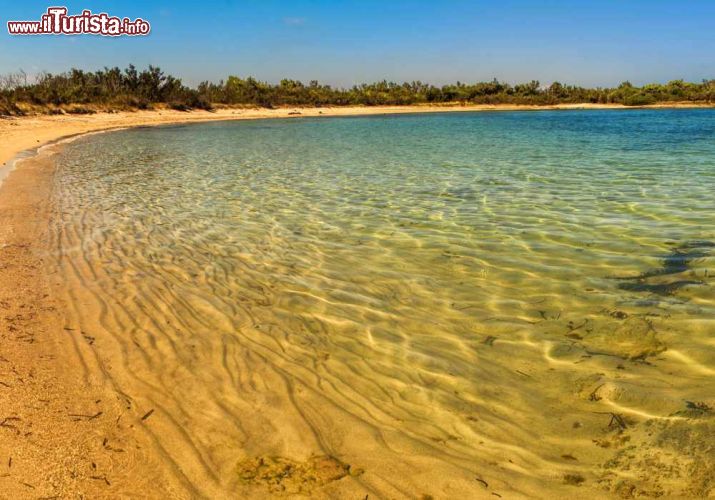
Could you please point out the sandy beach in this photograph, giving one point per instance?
(19, 134)
(67, 432)
(336, 250)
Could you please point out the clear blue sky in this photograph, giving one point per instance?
(344, 42)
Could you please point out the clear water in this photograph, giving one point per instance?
(428, 298)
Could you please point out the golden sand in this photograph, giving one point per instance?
(68, 433)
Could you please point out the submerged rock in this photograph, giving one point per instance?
(632, 338)
(673, 458)
(283, 475)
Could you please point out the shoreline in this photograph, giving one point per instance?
(25, 133)
(63, 422)
(61, 427)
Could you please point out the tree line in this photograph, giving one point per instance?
(114, 88)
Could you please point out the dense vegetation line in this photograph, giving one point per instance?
(113, 88)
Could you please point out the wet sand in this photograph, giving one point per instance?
(69, 432)
(61, 437)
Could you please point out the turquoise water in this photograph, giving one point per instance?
(420, 296)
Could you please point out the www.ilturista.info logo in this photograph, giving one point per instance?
(56, 22)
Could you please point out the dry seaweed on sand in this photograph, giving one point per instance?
(696, 409)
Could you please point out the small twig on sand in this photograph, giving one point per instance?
(594, 394)
(6, 423)
(105, 445)
(102, 478)
(524, 374)
(616, 419)
(148, 414)
(88, 417)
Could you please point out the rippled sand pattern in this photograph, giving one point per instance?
(447, 306)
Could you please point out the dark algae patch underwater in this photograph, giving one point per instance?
(675, 273)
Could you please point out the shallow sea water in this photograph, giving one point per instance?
(447, 305)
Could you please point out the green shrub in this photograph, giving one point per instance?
(132, 88)
(80, 110)
(8, 107)
(195, 101)
(639, 100)
(179, 106)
